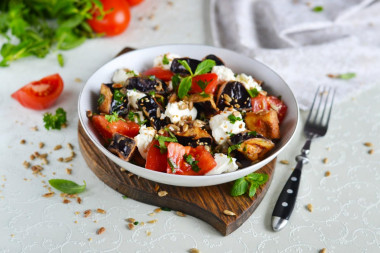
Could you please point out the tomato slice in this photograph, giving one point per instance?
(154, 159)
(39, 95)
(211, 79)
(160, 73)
(134, 2)
(179, 166)
(116, 19)
(106, 129)
(278, 105)
(260, 103)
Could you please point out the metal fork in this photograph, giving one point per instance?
(316, 126)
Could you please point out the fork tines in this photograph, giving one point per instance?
(320, 110)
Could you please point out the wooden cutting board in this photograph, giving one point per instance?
(205, 203)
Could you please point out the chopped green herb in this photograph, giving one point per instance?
(162, 139)
(172, 165)
(253, 133)
(60, 59)
(249, 183)
(347, 76)
(253, 92)
(119, 97)
(55, 121)
(131, 72)
(135, 223)
(232, 148)
(317, 9)
(101, 99)
(202, 84)
(124, 197)
(232, 118)
(204, 94)
(113, 117)
(192, 162)
(67, 186)
(165, 60)
(152, 93)
(152, 78)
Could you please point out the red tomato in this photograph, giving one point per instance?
(134, 2)
(106, 129)
(259, 103)
(176, 154)
(160, 73)
(210, 78)
(154, 159)
(115, 21)
(40, 94)
(278, 105)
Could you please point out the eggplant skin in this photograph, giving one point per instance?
(122, 146)
(216, 59)
(177, 67)
(146, 84)
(204, 104)
(194, 137)
(233, 94)
(109, 102)
(152, 110)
(241, 137)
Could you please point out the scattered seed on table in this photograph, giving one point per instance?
(22, 141)
(370, 151)
(157, 210)
(130, 220)
(162, 193)
(327, 173)
(309, 207)
(323, 250)
(325, 160)
(284, 161)
(41, 145)
(58, 147)
(228, 212)
(66, 201)
(48, 195)
(131, 226)
(87, 213)
(152, 221)
(100, 211)
(368, 144)
(69, 171)
(79, 200)
(101, 230)
(148, 233)
(194, 250)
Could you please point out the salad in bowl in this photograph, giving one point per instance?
(187, 116)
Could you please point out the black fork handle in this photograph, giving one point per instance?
(288, 196)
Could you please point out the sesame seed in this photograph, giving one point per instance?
(309, 207)
(58, 147)
(325, 160)
(368, 144)
(327, 173)
(100, 211)
(101, 230)
(370, 151)
(22, 141)
(284, 161)
(152, 221)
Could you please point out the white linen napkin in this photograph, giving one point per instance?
(302, 45)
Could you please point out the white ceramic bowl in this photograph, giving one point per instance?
(142, 59)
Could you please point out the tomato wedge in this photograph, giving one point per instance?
(211, 79)
(160, 73)
(279, 106)
(106, 129)
(154, 159)
(178, 165)
(39, 95)
(260, 103)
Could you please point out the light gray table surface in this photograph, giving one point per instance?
(345, 204)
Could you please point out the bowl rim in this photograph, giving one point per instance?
(171, 178)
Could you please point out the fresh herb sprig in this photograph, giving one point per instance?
(345, 76)
(185, 83)
(249, 183)
(44, 26)
(192, 162)
(232, 118)
(162, 139)
(67, 186)
(114, 117)
(253, 92)
(55, 121)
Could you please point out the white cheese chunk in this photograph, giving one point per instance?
(121, 75)
(224, 74)
(248, 82)
(175, 114)
(133, 97)
(159, 60)
(223, 164)
(144, 138)
(221, 126)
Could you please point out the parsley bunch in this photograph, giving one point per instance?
(184, 84)
(55, 121)
(250, 183)
(41, 26)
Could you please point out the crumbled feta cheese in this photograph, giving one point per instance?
(159, 60)
(133, 97)
(121, 75)
(175, 111)
(248, 82)
(224, 74)
(223, 164)
(144, 138)
(221, 126)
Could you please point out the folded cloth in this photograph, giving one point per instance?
(302, 45)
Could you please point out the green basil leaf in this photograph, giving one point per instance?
(204, 67)
(252, 190)
(240, 187)
(176, 80)
(113, 117)
(67, 186)
(258, 178)
(186, 66)
(184, 87)
(165, 60)
(253, 92)
(317, 9)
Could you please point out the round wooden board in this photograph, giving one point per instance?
(206, 203)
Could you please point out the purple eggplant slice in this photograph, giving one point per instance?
(146, 84)
(152, 110)
(233, 94)
(178, 68)
(122, 146)
(194, 137)
(218, 61)
(204, 104)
